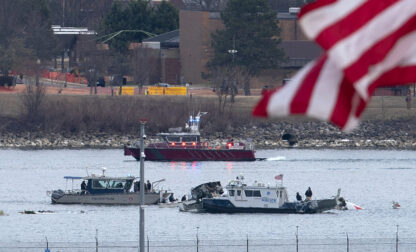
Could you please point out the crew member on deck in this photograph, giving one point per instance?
(83, 187)
(308, 194)
(148, 186)
(171, 198)
(298, 197)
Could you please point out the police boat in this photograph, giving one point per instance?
(260, 198)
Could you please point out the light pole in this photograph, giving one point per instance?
(233, 52)
(141, 199)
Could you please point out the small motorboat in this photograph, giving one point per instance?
(396, 205)
(260, 198)
(109, 191)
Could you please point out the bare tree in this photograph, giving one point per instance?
(93, 63)
(32, 99)
(77, 13)
(224, 85)
(142, 62)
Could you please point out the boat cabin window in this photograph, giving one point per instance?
(189, 139)
(99, 184)
(173, 139)
(238, 192)
(231, 192)
(248, 193)
(280, 194)
(256, 193)
(116, 184)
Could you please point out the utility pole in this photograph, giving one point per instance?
(234, 85)
(142, 181)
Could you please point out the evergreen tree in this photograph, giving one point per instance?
(250, 29)
(165, 18)
(139, 19)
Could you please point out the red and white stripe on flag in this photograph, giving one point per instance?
(278, 177)
(368, 43)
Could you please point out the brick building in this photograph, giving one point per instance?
(195, 32)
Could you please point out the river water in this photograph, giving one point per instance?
(369, 178)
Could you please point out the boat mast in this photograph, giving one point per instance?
(142, 181)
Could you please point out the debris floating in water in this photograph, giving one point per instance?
(396, 205)
(28, 212)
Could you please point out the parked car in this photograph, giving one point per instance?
(163, 85)
(100, 82)
(116, 79)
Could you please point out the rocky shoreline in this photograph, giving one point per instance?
(371, 135)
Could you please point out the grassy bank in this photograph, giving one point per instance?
(120, 114)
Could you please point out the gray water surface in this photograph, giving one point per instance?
(369, 178)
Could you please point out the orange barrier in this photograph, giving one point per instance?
(68, 77)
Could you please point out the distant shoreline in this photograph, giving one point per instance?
(310, 135)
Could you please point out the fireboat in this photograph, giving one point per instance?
(178, 145)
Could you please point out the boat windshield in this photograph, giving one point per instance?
(99, 184)
(116, 184)
(111, 184)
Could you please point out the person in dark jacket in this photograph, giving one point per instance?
(83, 187)
(308, 194)
(298, 197)
(148, 186)
(183, 198)
(171, 198)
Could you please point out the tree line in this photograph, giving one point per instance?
(28, 44)
(247, 46)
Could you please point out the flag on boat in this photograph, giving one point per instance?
(278, 177)
(367, 43)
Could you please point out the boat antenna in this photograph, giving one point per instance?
(86, 169)
(103, 169)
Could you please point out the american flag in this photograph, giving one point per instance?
(278, 177)
(367, 43)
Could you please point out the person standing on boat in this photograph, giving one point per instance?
(148, 186)
(308, 194)
(136, 186)
(171, 198)
(298, 197)
(83, 187)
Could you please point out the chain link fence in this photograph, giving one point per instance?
(307, 244)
